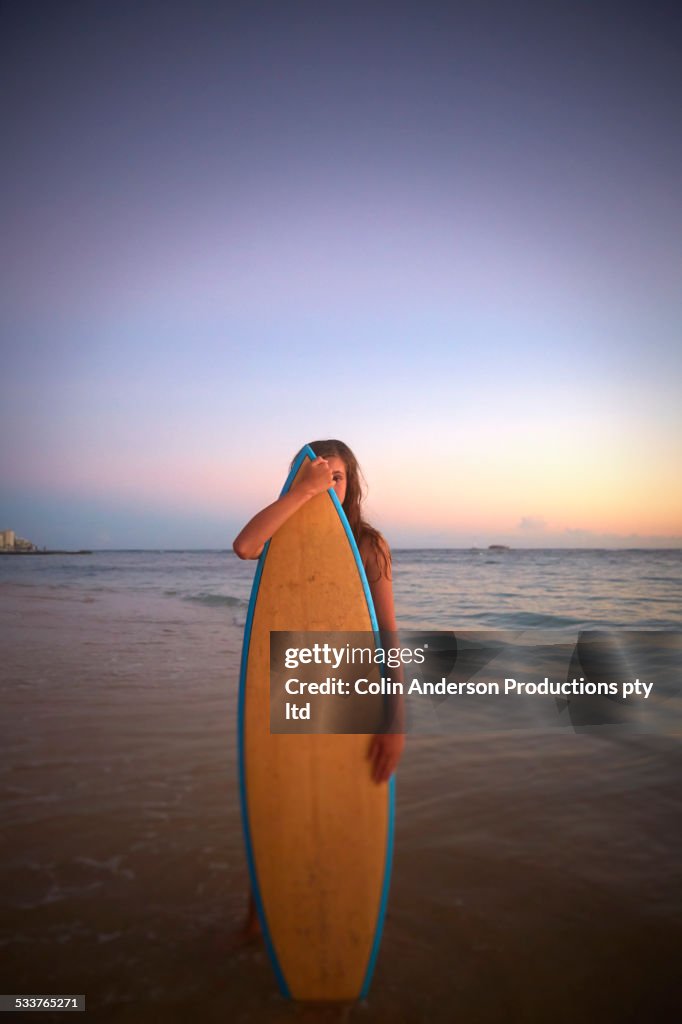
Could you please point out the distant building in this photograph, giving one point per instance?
(10, 542)
(20, 544)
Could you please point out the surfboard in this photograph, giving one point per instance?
(318, 831)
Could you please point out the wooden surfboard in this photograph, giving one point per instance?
(318, 830)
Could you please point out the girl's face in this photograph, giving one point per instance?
(338, 468)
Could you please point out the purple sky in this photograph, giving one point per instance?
(450, 234)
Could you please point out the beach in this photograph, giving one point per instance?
(536, 872)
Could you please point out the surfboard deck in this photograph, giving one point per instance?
(318, 830)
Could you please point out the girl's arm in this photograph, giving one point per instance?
(316, 477)
(387, 747)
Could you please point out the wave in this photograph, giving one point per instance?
(526, 620)
(216, 600)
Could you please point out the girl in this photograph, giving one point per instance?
(336, 467)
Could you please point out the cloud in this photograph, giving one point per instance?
(532, 523)
(592, 538)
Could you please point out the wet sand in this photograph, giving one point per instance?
(536, 876)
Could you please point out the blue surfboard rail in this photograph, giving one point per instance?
(306, 452)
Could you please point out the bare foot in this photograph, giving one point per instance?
(249, 932)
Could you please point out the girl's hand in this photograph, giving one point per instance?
(384, 752)
(316, 478)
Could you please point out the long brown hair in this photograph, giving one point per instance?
(352, 503)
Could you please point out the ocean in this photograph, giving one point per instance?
(536, 870)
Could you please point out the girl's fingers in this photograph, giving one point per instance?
(381, 768)
(317, 475)
(383, 761)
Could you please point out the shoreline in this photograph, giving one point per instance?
(83, 551)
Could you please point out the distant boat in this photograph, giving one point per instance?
(499, 547)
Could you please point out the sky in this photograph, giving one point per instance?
(448, 234)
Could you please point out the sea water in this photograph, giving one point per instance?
(531, 867)
(476, 589)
